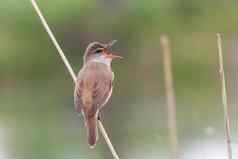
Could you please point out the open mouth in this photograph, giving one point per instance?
(109, 54)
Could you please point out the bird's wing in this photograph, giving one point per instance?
(94, 84)
(102, 89)
(78, 92)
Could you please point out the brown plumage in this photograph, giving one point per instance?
(94, 86)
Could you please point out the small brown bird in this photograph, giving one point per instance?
(94, 85)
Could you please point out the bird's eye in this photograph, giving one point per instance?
(98, 51)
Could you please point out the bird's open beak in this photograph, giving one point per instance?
(110, 54)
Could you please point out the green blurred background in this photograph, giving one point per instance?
(37, 118)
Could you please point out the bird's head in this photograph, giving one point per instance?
(100, 52)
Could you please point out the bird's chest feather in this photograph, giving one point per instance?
(94, 83)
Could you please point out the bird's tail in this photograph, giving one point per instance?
(92, 130)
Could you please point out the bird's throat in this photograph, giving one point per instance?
(102, 60)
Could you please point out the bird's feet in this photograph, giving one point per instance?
(99, 116)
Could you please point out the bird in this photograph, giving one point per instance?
(94, 85)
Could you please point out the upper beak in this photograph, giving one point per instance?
(110, 44)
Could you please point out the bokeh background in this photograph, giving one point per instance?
(37, 118)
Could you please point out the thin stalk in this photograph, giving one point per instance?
(171, 102)
(70, 70)
(224, 97)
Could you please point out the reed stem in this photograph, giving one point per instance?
(171, 102)
(224, 97)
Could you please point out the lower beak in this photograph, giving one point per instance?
(113, 56)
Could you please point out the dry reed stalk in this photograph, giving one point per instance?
(171, 102)
(224, 97)
(69, 68)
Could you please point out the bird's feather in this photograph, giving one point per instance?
(93, 89)
(94, 85)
